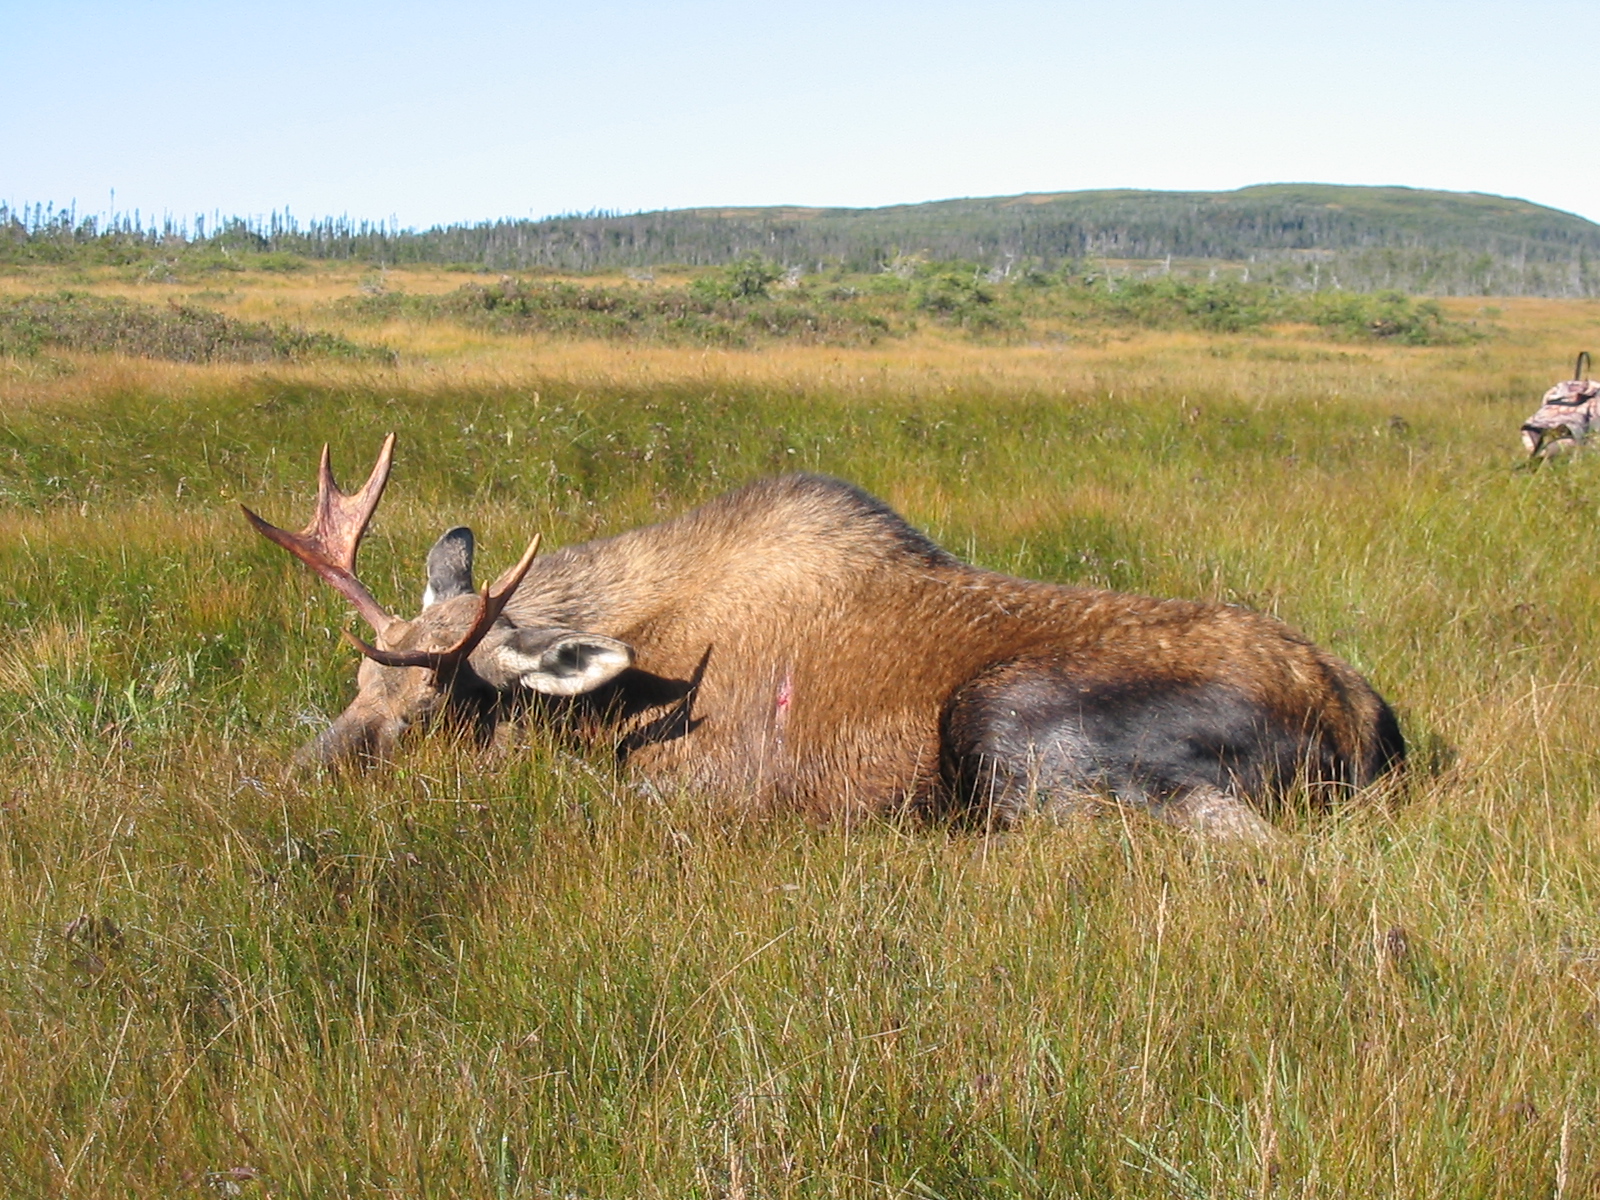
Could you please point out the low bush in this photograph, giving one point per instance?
(747, 278)
(1232, 306)
(1220, 307)
(711, 314)
(182, 333)
(956, 297)
(732, 307)
(1386, 316)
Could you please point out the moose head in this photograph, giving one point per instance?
(461, 659)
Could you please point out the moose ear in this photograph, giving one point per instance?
(557, 662)
(449, 567)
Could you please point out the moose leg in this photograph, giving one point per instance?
(998, 791)
(1210, 811)
(1036, 737)
(1000, 796)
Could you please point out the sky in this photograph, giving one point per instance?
(430, 113)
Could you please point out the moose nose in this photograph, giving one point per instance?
(348, 741)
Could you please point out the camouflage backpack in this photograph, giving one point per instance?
(1566, 413)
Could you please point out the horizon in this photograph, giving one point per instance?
(191, 224)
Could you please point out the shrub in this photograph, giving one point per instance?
(706, 314)
(746, 278)
(182, 333)
(956, 297)
(1388, 316)
(1222, 307)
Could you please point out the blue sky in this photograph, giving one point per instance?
(435, 113)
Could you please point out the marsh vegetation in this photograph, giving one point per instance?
(525, 977)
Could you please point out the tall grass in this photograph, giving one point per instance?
(526, 977)
(181, 333)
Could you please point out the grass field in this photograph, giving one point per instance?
(527, 979)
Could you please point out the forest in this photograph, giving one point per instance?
(1301, 236)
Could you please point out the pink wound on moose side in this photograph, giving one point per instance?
(780, 708)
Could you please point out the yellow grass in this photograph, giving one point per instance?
(524, 977)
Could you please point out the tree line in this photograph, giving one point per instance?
(1311, 237)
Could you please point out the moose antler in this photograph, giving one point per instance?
(328, 545)
(491, 603)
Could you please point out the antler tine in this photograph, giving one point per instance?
(512, 579)
(398, 658)
(341, 518)
(491, 603)
(328, 544)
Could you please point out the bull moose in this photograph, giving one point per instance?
(796, 642)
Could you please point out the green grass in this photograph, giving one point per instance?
(527, 978)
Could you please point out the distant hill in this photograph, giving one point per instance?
(1300, 235)
(1312, 234)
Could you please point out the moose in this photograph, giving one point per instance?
(797, 643)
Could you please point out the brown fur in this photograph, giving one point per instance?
(796, 642)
